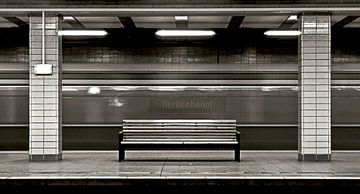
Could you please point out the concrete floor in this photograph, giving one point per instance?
(191, 164)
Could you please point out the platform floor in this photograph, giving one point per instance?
(187, 165)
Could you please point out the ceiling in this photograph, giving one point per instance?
(168, 22)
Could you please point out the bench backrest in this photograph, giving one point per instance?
(176, 131)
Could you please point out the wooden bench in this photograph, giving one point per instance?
(179, 135)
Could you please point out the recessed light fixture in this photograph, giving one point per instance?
(181, 18)
(68, 18)
(282, 33)
(182, 33)
(292, 18)
(82, 33)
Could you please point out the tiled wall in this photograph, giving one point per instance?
(188, 54)
(178, 55)
(314, 88)
(45, 91)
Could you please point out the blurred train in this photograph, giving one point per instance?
(262, 98)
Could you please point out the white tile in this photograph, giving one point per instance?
(36, 106)
(37, 145)
(309, 151)
(36, 94)
(50, 138)
(309, 100)
(309, 119)
(323, 81)
(323, 97)
(309, 144)
(309, 106)
(322, 144)
(50, 151)
(323, 138)
(51, 125)
(37, 132)
(309, 132)
(51, 144)
(36, 125)
(309, 125)
(37, 138)
(323, 151)
(309, 138)
(323, 125)
(308, 113)
(36, 151)
(37, 113)
(323, 113)
(50, 113)
(323, 119)
(51, 132)
(323, 132)
(51, 119)
(37, 119)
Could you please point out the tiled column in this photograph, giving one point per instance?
(45, 141)
(314, 88)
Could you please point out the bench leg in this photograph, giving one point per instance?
(237, 155)
(121, 154)
(237, 148)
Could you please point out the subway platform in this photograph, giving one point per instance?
(203, 170)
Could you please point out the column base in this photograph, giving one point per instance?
(50, 157)
(314, 157)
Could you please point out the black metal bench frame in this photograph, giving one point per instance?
(164, 146)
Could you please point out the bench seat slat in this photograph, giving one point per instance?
(180, 140)
(179, 137)
(175, 127)
(177, 142)
(178, 121)
(175, 130)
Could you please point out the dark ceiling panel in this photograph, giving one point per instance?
(127, 22)
(235, 22)
(347, 20)
(75, 23)
(18, 22)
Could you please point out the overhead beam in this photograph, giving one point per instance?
(342, 23)
(235, 22)
(288, 23)
(17, 21)
(75, 23)
(127, 22)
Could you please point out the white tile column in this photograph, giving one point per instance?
(314, 88)
(45, 136)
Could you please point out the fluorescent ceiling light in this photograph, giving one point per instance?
(181, 18)
(68, 18)
(292, 18)
(94, 90)
(282, 33)
(174, 33)
(82, 33)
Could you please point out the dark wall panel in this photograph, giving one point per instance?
(14, 138)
